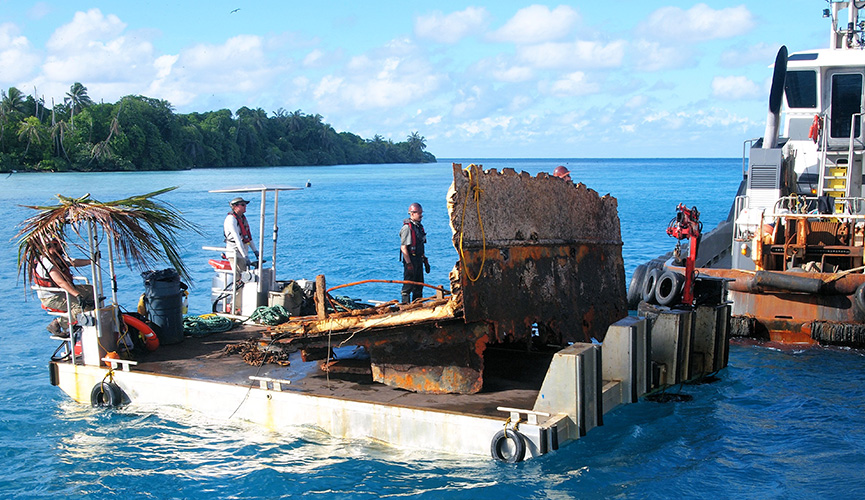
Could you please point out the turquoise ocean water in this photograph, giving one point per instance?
(779, 423)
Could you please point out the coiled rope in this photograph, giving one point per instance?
(475, 191)
(204, 325)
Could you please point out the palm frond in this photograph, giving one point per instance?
(142, 229)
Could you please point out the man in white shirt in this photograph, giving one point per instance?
(238, 237)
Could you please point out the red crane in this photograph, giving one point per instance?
(687, 226)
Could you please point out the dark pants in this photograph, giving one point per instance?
(412, 292)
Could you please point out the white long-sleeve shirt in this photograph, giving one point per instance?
(231, 229)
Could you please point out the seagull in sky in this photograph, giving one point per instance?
(235, 10)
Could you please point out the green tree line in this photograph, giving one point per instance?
(142, 133)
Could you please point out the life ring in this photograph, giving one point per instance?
(649, 285)
(635, 288)
(508, 445)
(668, 287)
(151, 341)
(816, 127)
(106, 394)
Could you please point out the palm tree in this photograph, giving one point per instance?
(78, 99)
(12, 101)
(416, 145)
(58, 134)
(142, 230)
(295, 121)
(31, 129)
(102, 149)
(11, 105)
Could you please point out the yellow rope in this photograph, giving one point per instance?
(476, 192)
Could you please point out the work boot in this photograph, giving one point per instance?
(405, 298)
(55, 329)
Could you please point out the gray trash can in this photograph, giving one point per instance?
(163, 300)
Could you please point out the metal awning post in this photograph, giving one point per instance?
(95, 273)
(111, 274)
(275, 237)
(261, 238)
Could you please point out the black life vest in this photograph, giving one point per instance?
(245, 233)
(417, 234)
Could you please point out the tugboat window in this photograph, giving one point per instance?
(801, 89)
(846, 101)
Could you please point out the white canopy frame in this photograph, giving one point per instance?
(262, 190)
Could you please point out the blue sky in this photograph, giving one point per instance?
(632, 78)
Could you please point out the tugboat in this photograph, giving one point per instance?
(791, 249)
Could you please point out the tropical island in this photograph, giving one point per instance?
(143, 133)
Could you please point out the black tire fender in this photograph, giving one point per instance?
(859, 298)
(668, 288)
(635, 288)
(649, 285)
(503, 452)
(106, 394)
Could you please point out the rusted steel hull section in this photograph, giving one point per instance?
(543, 251)
(434, 358)
(437, 357)
(537, 254)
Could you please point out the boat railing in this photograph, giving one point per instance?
(807, 207)
(792, 207)
(746, 146)
(739, 205)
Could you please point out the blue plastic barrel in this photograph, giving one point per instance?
(163, 300)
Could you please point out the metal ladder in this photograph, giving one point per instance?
(841, 170)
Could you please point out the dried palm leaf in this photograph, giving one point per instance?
(142, 229)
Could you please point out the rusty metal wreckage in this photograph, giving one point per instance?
(540, 258)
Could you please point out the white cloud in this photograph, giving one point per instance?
(92, 49)
(86, 29)
(433, 120)
(450, 28)
(238, 65)
(469, 100)
(579, 54)
(637, 102)
(313, 58)
(503, 70)
(39, 10)
(485, 126)
(735, 87)
(761, 53)
(697, 24)
(573, 84)
(652, 56)
(536, 24)
(722, 119)
(17, 57)
(711, 119)
(392, 76)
